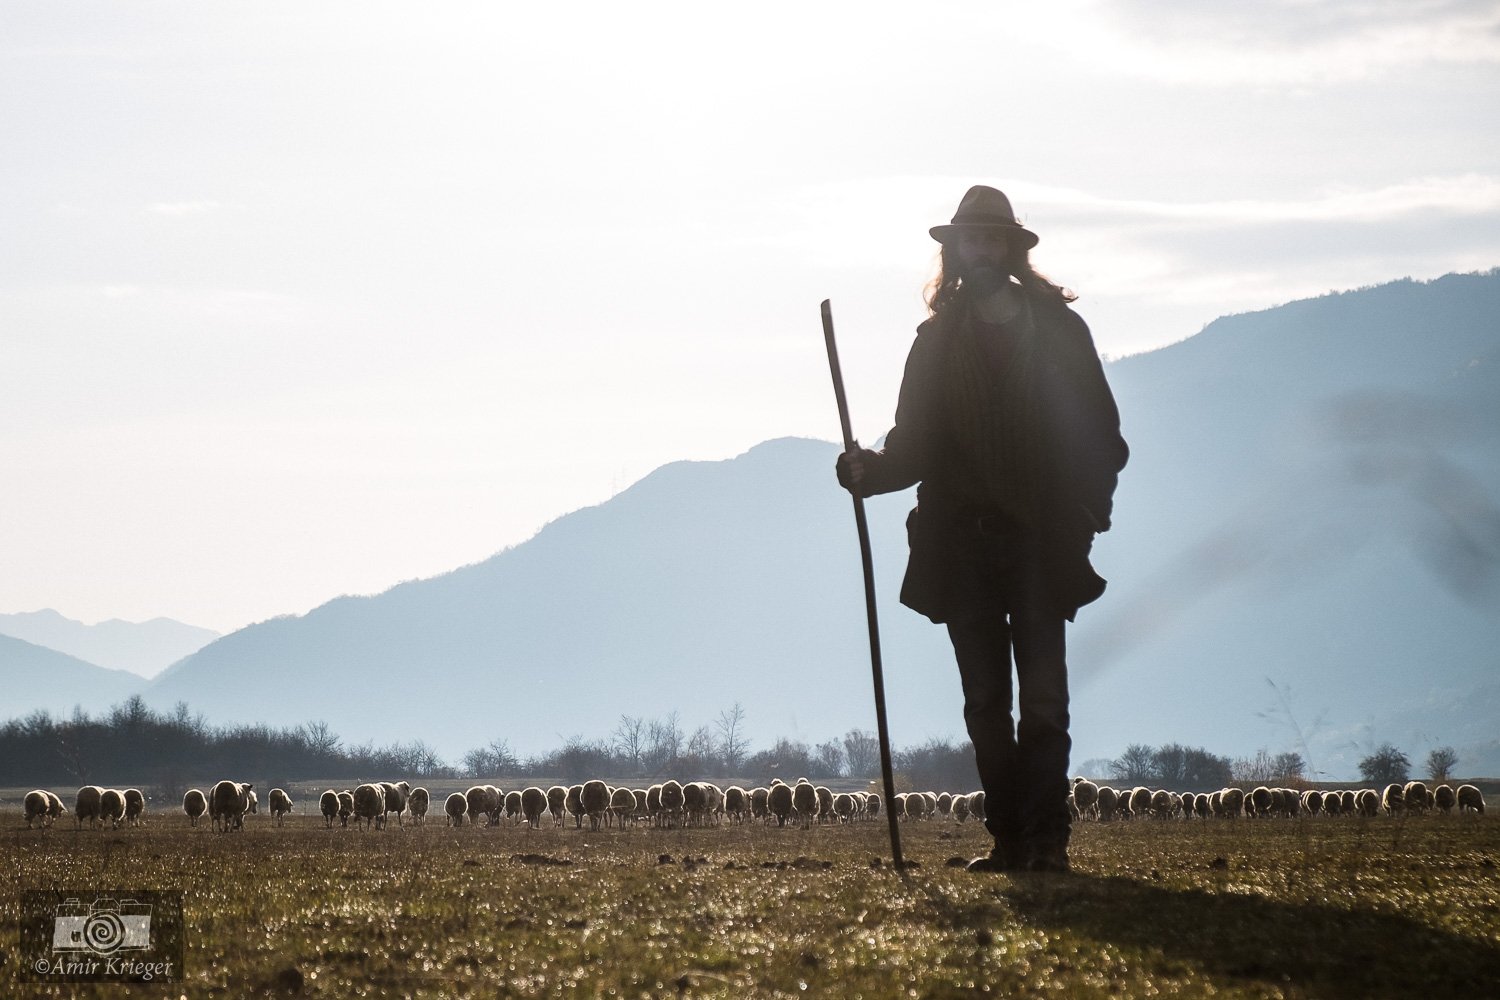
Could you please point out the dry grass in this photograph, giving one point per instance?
(1338, 908)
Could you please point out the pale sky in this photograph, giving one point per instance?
(300, 300)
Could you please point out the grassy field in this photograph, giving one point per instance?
(1343, 908)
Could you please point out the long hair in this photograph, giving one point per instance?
(946, 287)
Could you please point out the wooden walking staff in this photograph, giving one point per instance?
(869, 568)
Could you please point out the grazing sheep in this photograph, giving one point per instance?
(843, 807)
(281, 804)
(417, 803)
(1233, 802)
(760, 802)
(1162, 806)
(37, 805)
(1470, 799)
(944, 804)
(779, 802)
(1444, 797)
(1333, 803)
(737, 804)
(533, 805)
(254, 799)
(369, 805)
(86, 805)
(1415, 796)
(1312, 801)
(1086, 798)
(328, 805)
(557, 803)
(1106, 801)
(694, 803)
(872, 805)
(496, 799)
(976, 805)
(1140, 801)
(195, 804)
(395, 800)
(574, 802)
(825, 803)
(642, 806)
(622, 806)
(960, 808)
(346, 807)
(673, 801)
(135, 807)
(228, 802)
(56, 809)
(595, 799)
(112, 806)
(455, 808)
(805, 801)
(478, 801)
(1367, 802)
(513, 806)
(1393, 799)
(1260, 799)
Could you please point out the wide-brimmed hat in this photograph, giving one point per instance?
(984, 207)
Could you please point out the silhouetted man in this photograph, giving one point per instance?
(1006, 421)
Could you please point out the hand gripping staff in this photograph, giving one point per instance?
(869, 568)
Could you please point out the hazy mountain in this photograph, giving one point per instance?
(144, 648)
(34, 677)
(1306, 556)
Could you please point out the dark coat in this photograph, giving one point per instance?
(962, 549)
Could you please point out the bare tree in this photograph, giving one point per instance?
(829, 760)
(629, 740)
(1441, 762)
(861, 753)
(663, 743)
(1135, 766)
(734, 745)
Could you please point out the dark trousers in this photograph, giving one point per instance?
(1022, 768)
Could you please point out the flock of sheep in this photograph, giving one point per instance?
(1090, 801)
(703, 803)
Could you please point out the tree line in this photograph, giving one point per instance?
(132, 743)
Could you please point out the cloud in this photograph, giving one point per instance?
(183, 207)
(1285, 43)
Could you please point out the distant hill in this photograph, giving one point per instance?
(144, 648)
(1306, 556)
(34, 677)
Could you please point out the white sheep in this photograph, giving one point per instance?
(513, 810)
(112, 806)
(1086, 798)
(346, 807)
(574, 803)
(779, 801)
(281, 804)
(37, 806)
(843, 806)
(478, 801)
(1444, 798)
(825, 803)
(228, 801)
(805, 802)
(328, 805)
(1470, 799)
(417, 803)
(533, 805)
(86, 805)
(622, 806)
(1415, 796)
(455, 808)
(595, 799)
(1393, 799)
(1367, 802)
(1233, 802)
(369, 805)
(557, 803)
(135, 807)
(395, 800)
(673, 801)
(195, 804)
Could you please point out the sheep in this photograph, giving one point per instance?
(760, 802)
(673, 801)
(395, 800)
(281, 804)
(496, 800)
(513, 805)
(779, 802)
(1415, 796)
(455, 808)
(328, 805)
(228, 801)
(1106, 801)
(622, 806)
(254, 806)
(112, 806)
(944, 804)
(805, 801)
(346, 807)
(37, 805)
(595, 799)
(642, 808)
(574, 803)
(55, 809)
(715, 806)
(557, 803)
(976, 805)
(1333, 803)
(135, 807)
(369, 805)
(843, 807)
(533, 804)
(1470, 799)
(86, 805)
(1233, 802)
(1086, 798)
(478, 800)
(1367, 802)
(195, 804)
(872, 805)
(1312, 801)
(825, 802)
(1202, 806)
(417, 803)
(1444, 798)
(694, 803)
(1161, 804)
(1393, 799)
